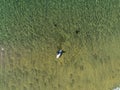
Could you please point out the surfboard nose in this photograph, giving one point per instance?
(58, 55)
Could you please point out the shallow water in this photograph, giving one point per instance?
(31, 32)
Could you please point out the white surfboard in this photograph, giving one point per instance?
(59, 53)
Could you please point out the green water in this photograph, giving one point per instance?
(32, 31)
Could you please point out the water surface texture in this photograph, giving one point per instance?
(32, 31)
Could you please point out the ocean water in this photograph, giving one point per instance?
(31, 32)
